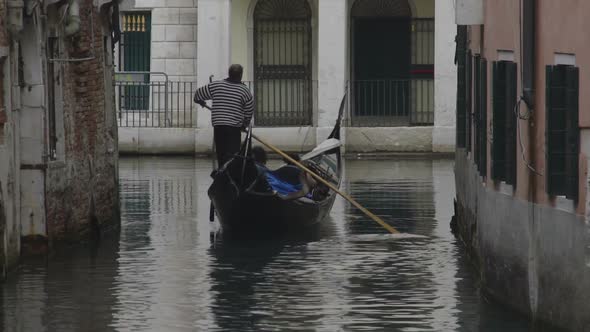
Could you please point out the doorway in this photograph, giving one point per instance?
(381, 62)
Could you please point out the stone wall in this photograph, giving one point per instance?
(174, 36)
(4, 42)
(82, 187)
(9, 230)
(531, 257)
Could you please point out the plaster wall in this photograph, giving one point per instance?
(500, 36)
(445, 77)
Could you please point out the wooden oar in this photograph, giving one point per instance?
(331, 186)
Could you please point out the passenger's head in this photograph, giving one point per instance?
(235, 72)
(259, 155)
(294, 156)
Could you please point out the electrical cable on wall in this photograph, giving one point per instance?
(527, 116)
(529, 111)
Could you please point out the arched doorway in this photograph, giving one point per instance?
(283, 63)
(387, 50)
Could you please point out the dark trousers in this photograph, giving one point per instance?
(227, 143)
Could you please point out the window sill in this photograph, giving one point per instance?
(565, 204)
(506, 189)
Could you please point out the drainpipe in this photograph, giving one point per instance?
(529, 35)
(528, 52)
(72, 26)
(528, 84)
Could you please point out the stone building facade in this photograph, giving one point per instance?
(300, 58)
(58, 143)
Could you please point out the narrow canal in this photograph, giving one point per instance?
(164, 272)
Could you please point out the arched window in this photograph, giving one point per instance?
(283, 63)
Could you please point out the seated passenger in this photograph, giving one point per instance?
(309, 187)
(259, 155)
(307, 184)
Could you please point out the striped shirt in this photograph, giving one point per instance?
(233, 104)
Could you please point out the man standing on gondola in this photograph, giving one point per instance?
(231, 111)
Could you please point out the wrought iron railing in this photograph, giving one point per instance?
(283, 101)
(151, 100)
(391, 103)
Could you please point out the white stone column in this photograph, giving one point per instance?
(213, 57)
(445, 77)
(332, 53)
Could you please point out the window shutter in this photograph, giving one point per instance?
(511, 123)
(572, 131)
(483, 118)
(477, 106)
(460, 59)
(468, 99)
(555, 122)
(499, 120)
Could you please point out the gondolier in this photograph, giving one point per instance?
(232, 109)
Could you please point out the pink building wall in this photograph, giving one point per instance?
(560, 28)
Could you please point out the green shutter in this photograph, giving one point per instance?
(504, 122)
(511, 122)
(135, 52)
(477, 106)
(468, 99)
(572, 131)
(460, 59)
(499, 120)
(483, 118)
(556, 130)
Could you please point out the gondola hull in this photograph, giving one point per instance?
(253, 211)
(244, 197)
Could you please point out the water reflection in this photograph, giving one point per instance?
(163, 272)
(55, 295)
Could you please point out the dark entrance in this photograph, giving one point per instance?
(382, 66)
(381, 62)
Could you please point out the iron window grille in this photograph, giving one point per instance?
(562, 130)
(283, 85)
(504, 121)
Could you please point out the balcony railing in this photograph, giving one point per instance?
(151, 100)
(391, 103)
(283, 102)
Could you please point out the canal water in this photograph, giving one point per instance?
(165, 271)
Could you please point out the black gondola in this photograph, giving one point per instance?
(244, 199)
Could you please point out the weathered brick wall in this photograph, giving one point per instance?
(4, 42)
(82, 193)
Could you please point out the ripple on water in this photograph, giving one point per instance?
(164, 273)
